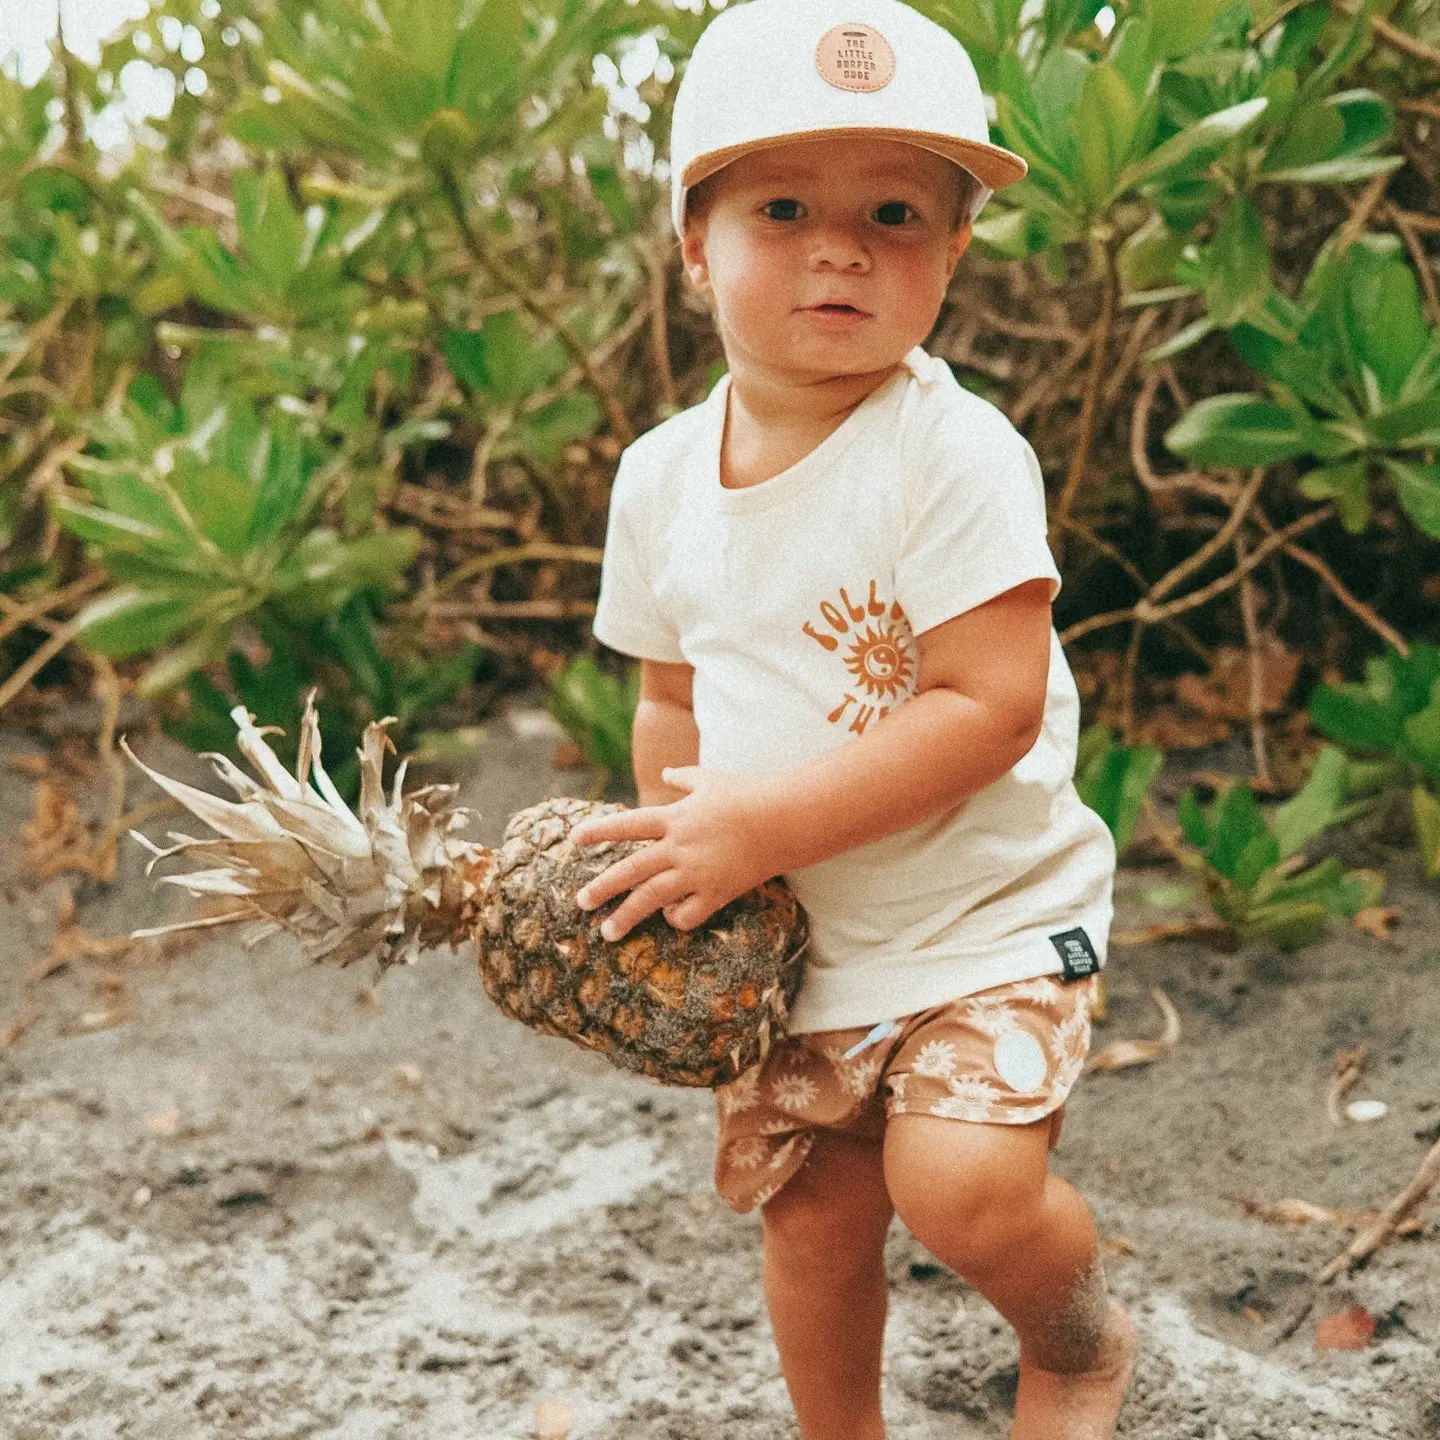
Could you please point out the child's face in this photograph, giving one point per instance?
(826, 257)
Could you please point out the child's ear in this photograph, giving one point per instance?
(959, 243)
(692, 254)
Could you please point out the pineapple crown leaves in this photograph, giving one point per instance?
(296, 857)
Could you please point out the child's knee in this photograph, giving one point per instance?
(819, 1223)
(969, 1192)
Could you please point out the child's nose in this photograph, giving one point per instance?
(836, 247)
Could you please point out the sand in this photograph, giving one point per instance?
(263, 1207)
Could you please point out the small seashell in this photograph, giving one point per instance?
(1361, 1111)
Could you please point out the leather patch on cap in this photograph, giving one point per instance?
(855, 57)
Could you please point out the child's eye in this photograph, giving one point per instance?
(784, 210)
(894, 212)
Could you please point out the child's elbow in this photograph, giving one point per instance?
(1023, 728)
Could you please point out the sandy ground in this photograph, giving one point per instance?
(264, 1208)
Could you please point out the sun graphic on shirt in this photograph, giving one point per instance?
(880, 660)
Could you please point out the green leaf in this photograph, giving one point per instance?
(1287, 926)
(1235, 821)
(1347, 170)
(1259, 854)
(175, 666)
(106, 528)
(325, 569)
(1384, 316)
(501, 358)
(1348, 486)
(1237, 265)
(597, 711)
(1418, 490)
(1193, 824)
(1178, 26)
(283, 486)
(1147, 258)
(1426, 809)
(1239, 430)
(1102, 126)
(1114, 783)
(1011, 233)
(396, 88)
(1350, 716)
(1422, 735)
(272, 234)
(1314, 134)
(424, 32)
(1195, 146)
(130, 620)
(550, 429)
(488, 57)
(1316, 806)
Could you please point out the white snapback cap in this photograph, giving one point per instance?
(771, 72)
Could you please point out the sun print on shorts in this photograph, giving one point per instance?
(776, 1126)
(935, 1057)
(992, 1015)
(747, 1152)
(1041, 990)
(971, 1097)
(858, 1076)
(741, 1093)
(793, 1092)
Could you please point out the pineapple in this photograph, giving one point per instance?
(692, 1007)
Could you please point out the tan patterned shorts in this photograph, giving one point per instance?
(1007, 1056)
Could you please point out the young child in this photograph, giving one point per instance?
(835, 575)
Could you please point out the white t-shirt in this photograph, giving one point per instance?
(797, 601)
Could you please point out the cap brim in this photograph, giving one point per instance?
(991, 165)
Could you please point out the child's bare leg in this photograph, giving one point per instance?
(826, 1288)
(979, 1197)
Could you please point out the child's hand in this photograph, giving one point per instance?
(705, 850)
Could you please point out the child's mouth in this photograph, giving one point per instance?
(838, 310)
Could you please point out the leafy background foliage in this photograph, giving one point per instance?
(321, 379)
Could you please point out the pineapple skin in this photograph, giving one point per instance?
(693, 1008)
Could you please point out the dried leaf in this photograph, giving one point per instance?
(1351, 1329)
(1410, 1225)
(1349, 1066)
(17, 1027)
(1252, 1314)
(1176, 732)
(72, 943)
(553, 1421)
(1122, 1054)
(1214, 930)
(1225, 692)
(1119, 1245)
(1293, 1212)
(568, 756)
(1377, 920)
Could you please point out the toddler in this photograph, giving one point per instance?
(835, 576)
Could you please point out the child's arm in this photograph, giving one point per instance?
(977, 710)
(664, 734)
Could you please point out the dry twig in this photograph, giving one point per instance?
(1388, 1222)
(1122, 1054)
(1080, 456)
(1399, 39)
(1349, 1066)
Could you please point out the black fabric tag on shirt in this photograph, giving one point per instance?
(1077, 954)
